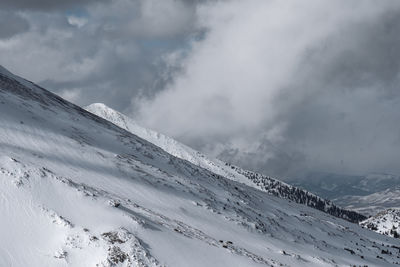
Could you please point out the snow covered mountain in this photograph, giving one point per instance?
(367, 194)
(265, 183)
(373, 203)
(386, 222)
(76, 190)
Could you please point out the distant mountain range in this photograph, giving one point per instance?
(369, 194)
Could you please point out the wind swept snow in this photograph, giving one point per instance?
(76, 190)
(265, 183)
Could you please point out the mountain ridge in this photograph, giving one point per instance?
(259, 181)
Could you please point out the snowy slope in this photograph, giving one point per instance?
(386, 222)
(167, 143)
(77, 190)
(265, 183)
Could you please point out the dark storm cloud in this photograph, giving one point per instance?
(44, 4)
(344, 102)
(12, 24)
(110, 52)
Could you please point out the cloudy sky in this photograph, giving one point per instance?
(281, 87)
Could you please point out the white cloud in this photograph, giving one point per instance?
(243, 86)
(71, 94)
(77, 21)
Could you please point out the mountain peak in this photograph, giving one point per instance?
(103, 110)
(97, 105)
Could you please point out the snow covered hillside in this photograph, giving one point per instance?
(265, 183)
(167, 143)
(386, 222)
(77, 190)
